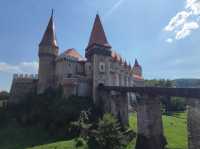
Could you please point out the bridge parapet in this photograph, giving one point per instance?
(155, 91)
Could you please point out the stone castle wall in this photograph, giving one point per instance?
(77, 86)
(22, 85)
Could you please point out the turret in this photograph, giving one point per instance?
(98, 52)
(48, 51)
(137, 69)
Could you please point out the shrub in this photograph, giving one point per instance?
(4, 95)
(105, 134)
(178, 104)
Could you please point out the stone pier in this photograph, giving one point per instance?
(193, 123)
(149, 123)
(116, 103)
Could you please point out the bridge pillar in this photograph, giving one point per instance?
(193, 123)
(149, 123)
(116, 103)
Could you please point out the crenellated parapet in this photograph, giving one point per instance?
(25, 76)
(22, 85)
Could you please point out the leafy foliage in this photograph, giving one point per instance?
(159, 83)
(106, 133)
(4, 95)
(178, 104)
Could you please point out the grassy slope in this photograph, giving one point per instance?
(15, 137)
(175, 129)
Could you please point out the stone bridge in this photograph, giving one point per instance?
(149, 116)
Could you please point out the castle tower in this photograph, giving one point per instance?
(98, 52)
(98, 43)
(137, 69)
(48, 51)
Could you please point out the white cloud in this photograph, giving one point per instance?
(185, 21)
(177, 20)
(193, 6)
(186, 30)
(23, 67)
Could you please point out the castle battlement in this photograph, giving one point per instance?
(25, 76)
(22, 85)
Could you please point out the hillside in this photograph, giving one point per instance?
(187, 83)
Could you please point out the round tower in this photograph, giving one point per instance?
(48, 51)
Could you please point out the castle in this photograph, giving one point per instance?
(77, 74)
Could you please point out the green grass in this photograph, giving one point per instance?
(175, 129)
(14, 136)
(57, 145)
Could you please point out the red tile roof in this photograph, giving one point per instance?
(116, 56)
(98, 35)
(73, 53)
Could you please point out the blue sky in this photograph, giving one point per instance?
(163, 35)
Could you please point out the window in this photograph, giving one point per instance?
(111, 68)
(101, 67)
(69, 75)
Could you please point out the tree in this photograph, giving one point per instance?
(4, 95)
(105, 134)
(178, 104)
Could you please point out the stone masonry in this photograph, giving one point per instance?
(149, 119)
(193, 123)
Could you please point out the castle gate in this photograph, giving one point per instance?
(150, 128)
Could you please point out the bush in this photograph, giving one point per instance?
(4, 95)
(178, 104)
(105, 134)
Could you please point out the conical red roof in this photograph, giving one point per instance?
(49, 37)
(98, 35)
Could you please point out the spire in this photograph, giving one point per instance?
(125, 64)
(98, 35)
(49, 37)
(136, 63)
(129, 65)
